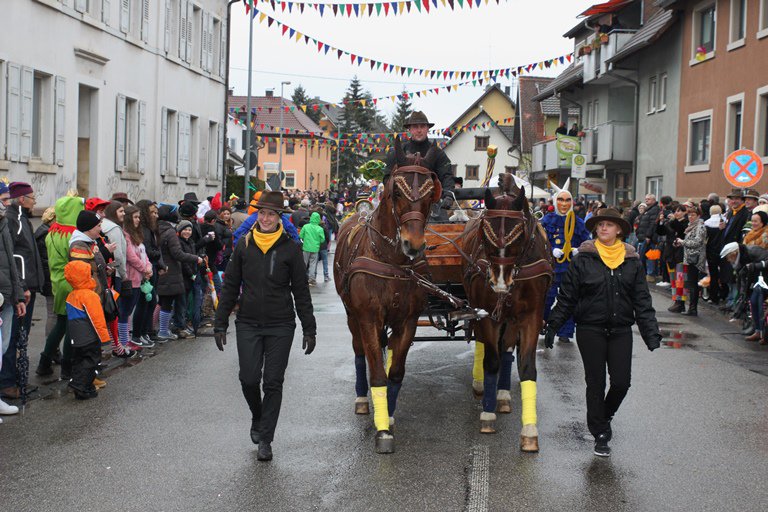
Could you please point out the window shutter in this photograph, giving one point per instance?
(145, 20)
(14, 111)
(190, 31)
(210, 42)
(203, 41)
(183, 29)
(27, 91)
(184, 125)
(58, 120)
(223, 51)
(220, 154)
(81, 5)
(106, 7)
(142, 136)
(168, 25)
(164, 142)
(125, 16)
(120, 134)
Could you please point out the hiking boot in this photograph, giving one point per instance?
(265, 451)
(601, 445)
(677, 307)
(85, 395)
(11, 392)
(45, 367)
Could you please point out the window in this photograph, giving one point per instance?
(290, 179)
(761, 123)
(654, 185)
(196, 35)
(595, 113)
(733, 123)
(272, 147)
(213, 149)
(186, 19)
(454, 169)
(703, 32)
(588, 119)
(661, 104)
(481, 142)
(699, 134)
(130, 134)
(232, 144)
(472, 171)
(738, 21)
(762, 25)
(290, 147)
(652, 91)
(169, 141)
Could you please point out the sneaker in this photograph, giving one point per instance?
(99, 384)
(265, 451)
(166, 336)
(144, 343)
(189, 334)
(601, 445)
(327, 279)
(663, 284)
(8, 409)
(132, 347)
(181, 333)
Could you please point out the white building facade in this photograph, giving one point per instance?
(107, 96)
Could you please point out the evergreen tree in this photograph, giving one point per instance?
(359, 115)
(300, 97)
(401, 114)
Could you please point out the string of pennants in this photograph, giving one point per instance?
(344, 145)
(375, 137)
(385, 67)
(358, 10)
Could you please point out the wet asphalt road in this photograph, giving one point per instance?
(171, 434)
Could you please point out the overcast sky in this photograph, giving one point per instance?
(513, 33)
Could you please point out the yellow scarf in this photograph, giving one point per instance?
(265, 240)
(612, 255)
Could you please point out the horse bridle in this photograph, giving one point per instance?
(413, 192)
(504, 239)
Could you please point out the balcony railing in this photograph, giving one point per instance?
(595, 63)
(609, 142)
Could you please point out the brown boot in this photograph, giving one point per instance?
(756, 336)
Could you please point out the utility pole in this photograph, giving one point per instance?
(282, 109)
(248, 129)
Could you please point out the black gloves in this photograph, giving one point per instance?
(654, 342)
(549, 338)
(220, 337)
(308, 344)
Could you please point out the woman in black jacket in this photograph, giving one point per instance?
(170, 284)
(266, 276)
(142, 316)
(606, 292)
(673, 228)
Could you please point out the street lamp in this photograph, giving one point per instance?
(282, 108)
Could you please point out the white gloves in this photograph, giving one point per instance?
(574, 251)
(557, 253)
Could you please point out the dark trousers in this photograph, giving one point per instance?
(142, 316)
(263, 356)
(126, 303)
(8, 373)
(717, 290)
(180, 311)
(85, 360)
(600, 347)
(693, 287)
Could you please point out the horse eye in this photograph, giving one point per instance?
(396, 194)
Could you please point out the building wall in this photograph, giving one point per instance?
(302, 164)
(462, 152)
(85, 65)
(496, 105)
(658, 128)
(708, 84)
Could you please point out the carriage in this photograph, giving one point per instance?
(395, 271)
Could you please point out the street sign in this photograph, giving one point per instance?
(743, 168)
(579, 167)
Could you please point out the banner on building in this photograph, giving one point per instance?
(567, 146)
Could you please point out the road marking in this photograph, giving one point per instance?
(477, 500)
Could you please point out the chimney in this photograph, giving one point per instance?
(231, 91)
(270, 93)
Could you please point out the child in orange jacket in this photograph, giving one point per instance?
(87, 328)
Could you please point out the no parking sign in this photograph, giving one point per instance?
(743, 168)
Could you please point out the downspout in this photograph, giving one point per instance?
(636, 85)
(226, 102)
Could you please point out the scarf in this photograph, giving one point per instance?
(755, 237)
(692, 226)
(265, 240)
(612, 255)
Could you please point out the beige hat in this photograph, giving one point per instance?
(715, 210)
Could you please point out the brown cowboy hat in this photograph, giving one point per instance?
(737, 193)
(612, 215)
(418, 117)
(751, 193)
(272, 201)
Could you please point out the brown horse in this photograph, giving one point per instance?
(374, 255)
(508, 272)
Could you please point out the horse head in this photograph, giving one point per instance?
(410, 192)
(505, 231)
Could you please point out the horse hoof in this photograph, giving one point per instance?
(529, 444)
(391, 425)
(503, 406)
(385, 442)
(362, 407)
(487, 427)
(477, 389)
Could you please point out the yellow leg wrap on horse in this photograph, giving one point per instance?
(389, 361)
(477, 367)
(380, 411)
(528, 395)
